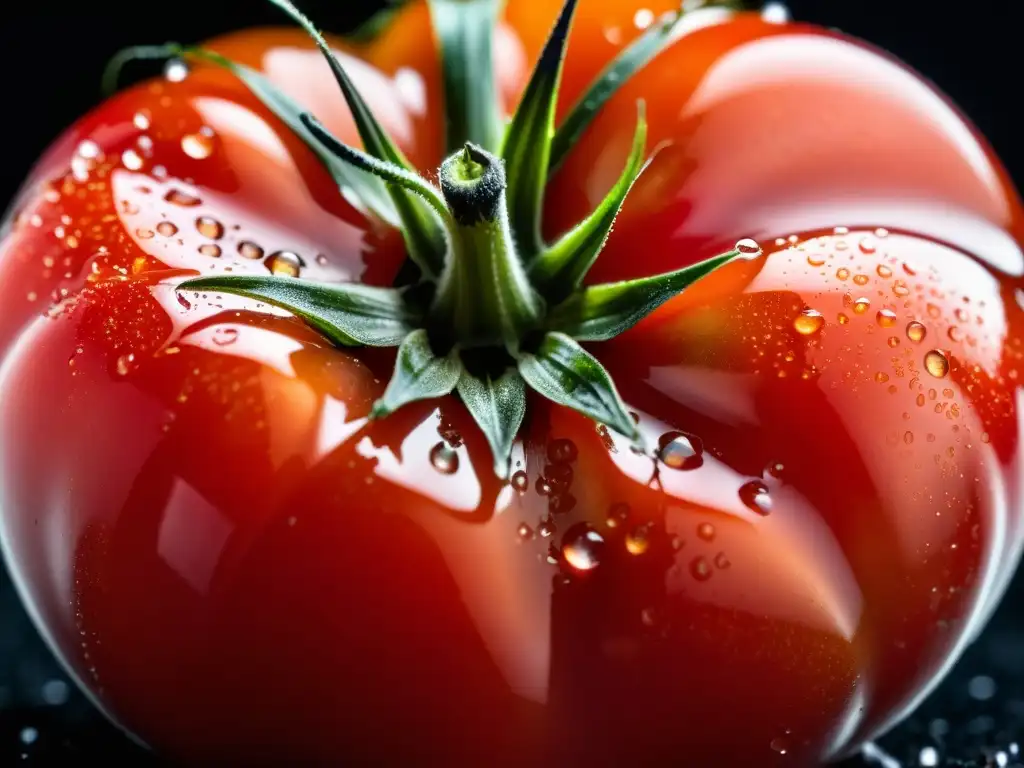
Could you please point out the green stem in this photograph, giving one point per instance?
(484, 295)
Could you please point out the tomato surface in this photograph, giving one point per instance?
(240, 567)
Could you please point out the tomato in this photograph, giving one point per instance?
(240, 567)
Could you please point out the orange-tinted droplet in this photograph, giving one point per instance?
(808, 322)
(916, 331)
(936, 363)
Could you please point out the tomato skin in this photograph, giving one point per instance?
(241, 569)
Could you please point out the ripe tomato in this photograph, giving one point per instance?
(240, 567)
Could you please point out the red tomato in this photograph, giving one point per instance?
(240, 568)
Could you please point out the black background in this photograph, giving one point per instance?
(51, 57)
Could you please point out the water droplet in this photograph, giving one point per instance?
(843, 318)
(882, 232)
(860, 279)
(144, 234)
(916, 331)
(617, 515)
(780, 745)
(808, 322)
(582, 547)
(542, 486)
(547, 528)
(444, 459)
(638, 540)
(520, 482)
(224, 337)
(881, 377)
(679, 451)
(775, 469)
(841, 230)
(748, 248)
(284, 263)
(722, 561)
(167, 229)
(185, 200)
(886, 318)
(209, 227)
(706, 531)
(900, 288)
(141, 121)
(755, 495)
(198, 146)
(936, 363)
(131, 160)
(867, 245)
(883, 271)
(525, 532)
(209, 249)
(124, 364)
(249, 250)
(893, 341)
(954, 333)
(562, 451)
(861, 305)
(700, 569)
(183, 301)
(176, 70)
(816, 259)
(843, 273)
(908, 437)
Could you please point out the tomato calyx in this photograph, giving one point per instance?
(494, 308)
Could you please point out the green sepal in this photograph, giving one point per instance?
(627, 63)
(562, 371)
(527, 145)
(562, 267)
(367, 193)
(602, 312)
(392, 174)
(423, 238)
(498, 407)
(419, 375)
(349, 314)
(112, 72)
(465, 31)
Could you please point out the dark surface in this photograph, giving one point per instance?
(52, 59)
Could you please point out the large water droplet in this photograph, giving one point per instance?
(185, 200)
(209, 227)
(167, 229)
(808, 322)
(936, 363)
(679, 451)
(755, 495)
(444, 459)
(916, 331)
(284, 264)
(748, 248)
(249, 250)
(582, 547)
(211, 250)
(886, 318)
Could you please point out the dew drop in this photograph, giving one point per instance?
(617, 515)
(141, 121)
(843, 318)
(841, 230)
(706, 531)
(547, 528)
(321, 260)
(748, 248)
(144, 234)
(520, 482)
(916, 331)
(209, 227)
(755, 495)
(843, 273)
(893, 341)
(211, 250)
(284, 263)
(722, 561)
(185, 200)
(936, 363)
(861, 305)
(881, 377)
(860, 279)
(900, 288)
(867, 245)
(883, 271)
(679, 451)
(954, 333)
(224, 337)
(524, 532)
(131, 160)
(198, 146)
(249, 250)
(886, 318)
(582, 547)
(780, 745)
(176, 70)
(700, 568)
(808, 322)
(167, 229)
(638, 540)
(444, 459)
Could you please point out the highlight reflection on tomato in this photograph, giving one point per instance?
(241, 566)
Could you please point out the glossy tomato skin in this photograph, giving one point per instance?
(240, 568)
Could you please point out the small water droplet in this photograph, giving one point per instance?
(886, 318)
(679, 451)
(936, 363)
(124, 364)
(882, 232)
(520, 482)
(861, 305)
(700, 569)
(883, 271)
(176, 70)
(525, 532)
(808, 322)
(185, 200)
(562, 451)
(638, 540)
(916, 331)
(209, 227)
(209, 249)
(249, 250)
(881, 377)
(166, 228)
(780, 745)
(900, 288)
(284, 263)
(775, 469)
(843, 273)
(722, 561)
(547, 528)
(617, 515)
(860, 279)
(755, 495)
(224, 337)
(954, 333)
(582, 547)
(144, 233)
(748, 247)
(444, 459)
(184, 302)
(893, 341)
(706, 531)
(867, 245)
(841, 230)
(198, 146)
(816, 259)
(843, 318)
(141, 121)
